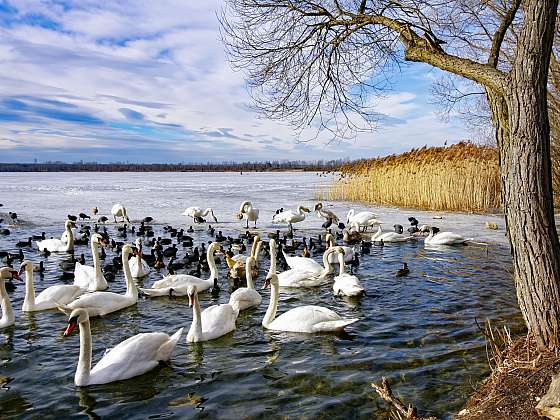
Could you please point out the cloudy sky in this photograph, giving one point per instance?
(147, 81)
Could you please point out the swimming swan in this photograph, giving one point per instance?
(346, 284)
(443, 238)
(103, 303)
(57, 245)
(306, 319)
(213, 322)
(388, 236)
(87, 277)
(246, 297)
(138, 267)
(8, 318)
(132, 357)
(297, 277)
(177, 284)
(49, 298)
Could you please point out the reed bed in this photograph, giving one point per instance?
(461, 177)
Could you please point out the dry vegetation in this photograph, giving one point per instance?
(461, 177)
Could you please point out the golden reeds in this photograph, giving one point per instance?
(461, 177)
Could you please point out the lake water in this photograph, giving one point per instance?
(419, 331)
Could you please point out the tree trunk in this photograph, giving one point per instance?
(523, 138)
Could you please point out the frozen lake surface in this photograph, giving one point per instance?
(419, 331)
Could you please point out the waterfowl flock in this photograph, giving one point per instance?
(190, 265)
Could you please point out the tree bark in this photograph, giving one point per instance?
(523, 137)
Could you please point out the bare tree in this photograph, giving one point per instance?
(319, 62)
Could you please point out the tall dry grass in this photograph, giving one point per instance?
(461, 177)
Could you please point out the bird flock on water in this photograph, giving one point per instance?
(186, 265)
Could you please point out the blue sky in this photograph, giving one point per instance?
(148, 81)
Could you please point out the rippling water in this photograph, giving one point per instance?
(419, 331)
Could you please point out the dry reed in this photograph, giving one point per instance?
(461, 177)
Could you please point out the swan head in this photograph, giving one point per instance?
(191, 294)
(329, 238)
(318, 206)
(434, 230)
(305, 209)
(239, 215)
(138, 243)
(77, 316)
(127, 250)
(69, 224)
(8, 273)
(25, 266)
(99, 239)
(271, 279)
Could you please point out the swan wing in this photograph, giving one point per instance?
(244, 298)
(83, 275)
(59, 294)
(218, 320)
(303, 264)
(348, 285)
(309, 319)
(53, 245)
(298, 278)
(102, 303)
(138, 270)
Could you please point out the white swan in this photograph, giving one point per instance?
(87, 277)
(388, 236)
(348, 251)
(177, 284)
(246, 297)
(363, 219)
(57, 245)
(290, 217)
(213, 322)
(118, 210)
(8, 318)
(49, 298)
(325, 214)
(250, 213)
(103, 303)
(443, 238)
(306, 319)
(296, 277)
(138, 267)
(198, 213)
(346, 284)
(132, 357)
(77, 235)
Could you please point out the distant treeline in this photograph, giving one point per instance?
(319, 165)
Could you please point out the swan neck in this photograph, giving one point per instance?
(249, 275)
(196, 325)
(29, 300)
(342, 268)
(272, 304)
(328, 267)
(69, 239)
(84, 362)
(212, 264)
(130, 284)
(7, 310)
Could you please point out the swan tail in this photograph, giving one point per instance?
(334, 325)
(155, 292)
(166, 349)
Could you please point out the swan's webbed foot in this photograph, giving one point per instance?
(171, 292)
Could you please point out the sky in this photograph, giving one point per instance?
(148, 81)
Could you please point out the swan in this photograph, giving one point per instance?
(118, 210)
(443, 238)
(103, 303)
(132, 357)
(388, 236)
(197, 213)
(177, 284)
(49, 298)
(348, 251)
(213, 322)
(57, 245)
(346, 284)
(77, 235)
(8, 319)
(290, 217)
(87, 277)
(325, 214)
(297, 277)
(306, 319)
(246, 297)
(138, 267)
(237, 269)
(363, 219)
(251, 213)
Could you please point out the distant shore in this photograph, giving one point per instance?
(274, 166)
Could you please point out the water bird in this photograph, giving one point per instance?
(401, 272)
(413, 221)
(13, 216)
(346, 284)
(290, 217)
(148, 219)
(103, 219)
(251, 213)
(40, 237)
(398, 228)
(388, 236)
(326, 214)
(8, 318)
(87, 277)
(72, 217)
(4, 231)
(246, 297)
(94, 210)
(197, 212)
(132, 357)
(24, 244)
(118, 210)
(361, 220)
(84, 216)
(443, 238)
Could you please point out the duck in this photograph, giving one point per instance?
(91, 278)
(49, 298)
(214, 322)
(351, 236)
(197, 214)
(24, 244)
(304, 319)
(138, 267)
(103, 303)
(346, 284)
(84, 216)
(251, 213)
(361, 220)
(8, 318)
(290, 217)
(118, 210)
(298, 277)
(132, 357)
(443, 238)
(177, 284)
(388, 236)
(246, 297)
(401, 272)
(57, 245)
